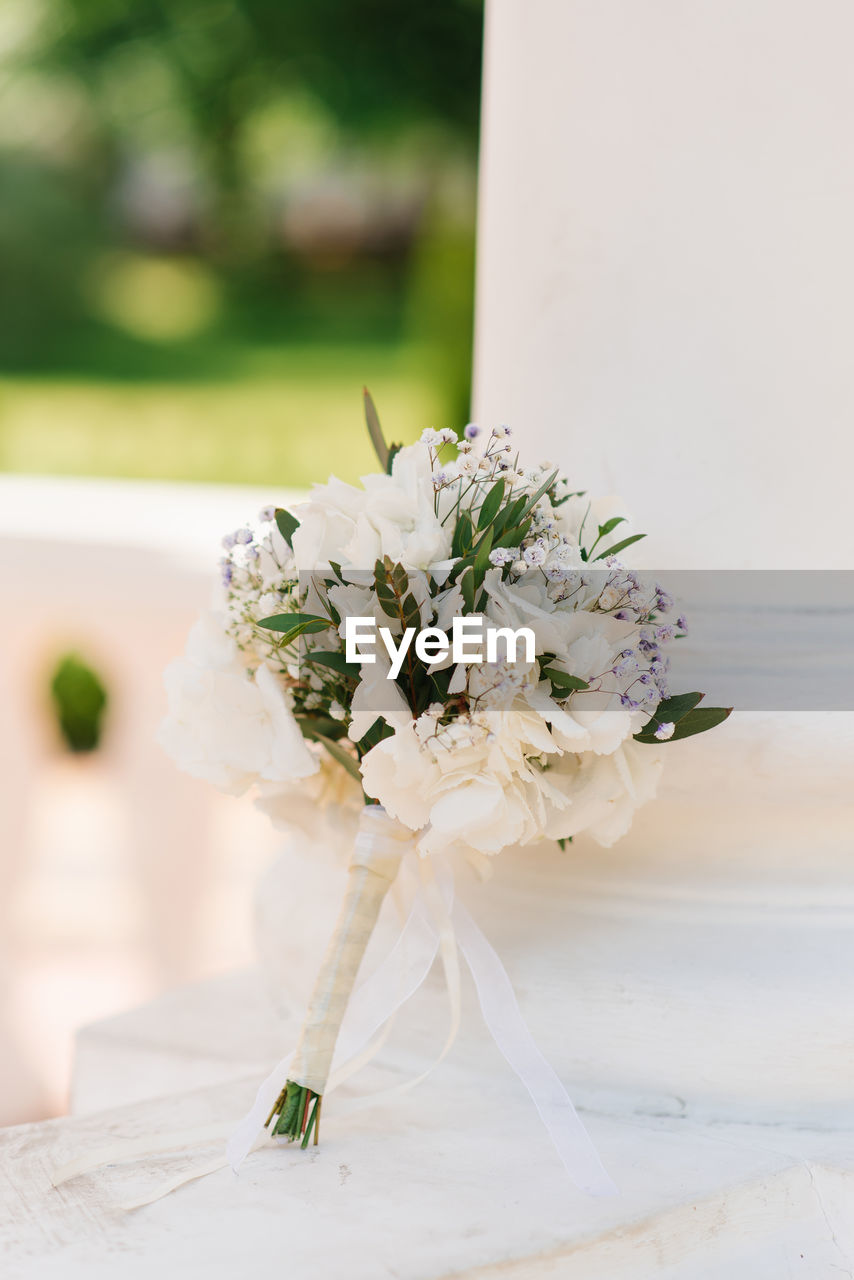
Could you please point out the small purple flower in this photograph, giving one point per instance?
(628, 703)
(243, 537)
(649, 647)
(665, 730)
(229, 541)
(267, 515)
(624, 615)
(663, 601)
(227, 570)
(682, 622)
(665, 633)
(472, 431)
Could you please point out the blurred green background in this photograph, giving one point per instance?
(219, 218)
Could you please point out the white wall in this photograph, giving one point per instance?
(666, 264)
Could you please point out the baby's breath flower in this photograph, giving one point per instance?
(435, 439)
(665, 730)
(535, 554)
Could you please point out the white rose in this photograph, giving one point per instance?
(391, 515)
(480, 812)
(604, 791)
(222, 725)
(402, 776)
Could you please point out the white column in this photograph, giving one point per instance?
(666, 264)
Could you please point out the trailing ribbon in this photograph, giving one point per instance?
(436, 924)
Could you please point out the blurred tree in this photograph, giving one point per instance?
(378, 66)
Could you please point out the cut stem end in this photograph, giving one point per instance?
(296, 1114)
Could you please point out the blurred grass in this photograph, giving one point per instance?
(286, 415)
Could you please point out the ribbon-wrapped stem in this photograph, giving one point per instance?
(380, 845)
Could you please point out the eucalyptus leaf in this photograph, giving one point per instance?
(304, 628)
(544, 488)
(340, 755)
(394, 450)
(469, 589)
(491, 503)
(463, 535)
(673, 709)
(334, 659)
(381, 449)
(563, 680)
(481, 560)
(698, 721)
(619, 546)
(287, 524)
(288, 621)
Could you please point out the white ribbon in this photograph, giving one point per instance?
(437, 923)
(503, 1017)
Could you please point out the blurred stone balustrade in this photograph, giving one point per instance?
(119, 876)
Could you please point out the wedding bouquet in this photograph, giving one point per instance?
(343, 668)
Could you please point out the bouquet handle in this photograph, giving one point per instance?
(380, 845)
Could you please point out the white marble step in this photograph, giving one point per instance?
(456, 1178)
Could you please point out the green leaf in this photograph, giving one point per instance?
(285, 622)
(698, 721)
(619, 546)
(544, 488)
(287, 524)
(394, 450)
(311, 724)
(381, 449)
(481, 560)
(669, 711)
(510, 515)
(469, 589)
(340, 755)
(411, 612)
(610, 525)
(334, 659)
(463, 535)
(562, 680)
(514, 536)
(673, 709)
(378, 730)
(491, 503)
(304, 628)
